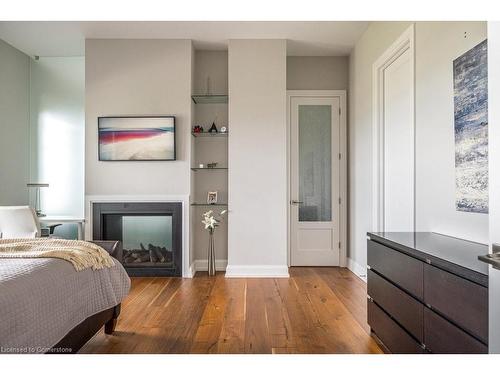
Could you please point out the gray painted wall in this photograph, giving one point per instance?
(211, 64)
(14, 125)
(317, 72)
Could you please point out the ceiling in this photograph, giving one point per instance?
(44, 38)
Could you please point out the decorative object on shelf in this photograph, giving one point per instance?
(136, 138)
(212, 197)
(213, 128)
(201, 165)
(470, 79)
(212, 165)
(38, 205)
(198, 129)
(211, 223)
(223, 129)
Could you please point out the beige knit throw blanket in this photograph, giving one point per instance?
(80, 254)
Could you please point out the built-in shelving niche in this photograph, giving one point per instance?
(210, 75)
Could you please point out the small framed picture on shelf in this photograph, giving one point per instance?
(212, 197)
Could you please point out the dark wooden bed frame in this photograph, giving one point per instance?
(83, 332)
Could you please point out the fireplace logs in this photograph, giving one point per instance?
(153, 254)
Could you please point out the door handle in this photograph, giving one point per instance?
(295, 202)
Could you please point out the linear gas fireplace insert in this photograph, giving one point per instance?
(150, 234)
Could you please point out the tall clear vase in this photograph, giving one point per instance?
(211, 255)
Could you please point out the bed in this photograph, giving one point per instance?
(46, 306)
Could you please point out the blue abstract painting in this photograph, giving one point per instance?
(470, 78)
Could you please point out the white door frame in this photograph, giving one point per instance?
(342, 96)
(406, 42)
(494, 181)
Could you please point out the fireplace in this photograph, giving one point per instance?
(150, 234)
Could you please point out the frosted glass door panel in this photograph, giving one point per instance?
(315, 162)
(314, 181)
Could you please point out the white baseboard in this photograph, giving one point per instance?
(257, 271)
(357, 269)
(202, 265)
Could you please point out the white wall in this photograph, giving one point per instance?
(57, 132)
(317, 72)
(437, 45)
(377, 38)
(14, 125)
(257, 243)
(138, 77)
(494, 178)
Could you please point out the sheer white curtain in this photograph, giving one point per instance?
(57, 124)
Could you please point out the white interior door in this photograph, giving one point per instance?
(314, 184)
(398, 145)
(394, 151)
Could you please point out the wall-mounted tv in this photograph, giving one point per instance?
(136, 138)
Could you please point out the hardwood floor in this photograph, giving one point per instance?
(316, 310)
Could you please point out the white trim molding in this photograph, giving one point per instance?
(342, 95)
(406, 42)
(257, 271)
(184, 199)
(202, 265)
(357, 269)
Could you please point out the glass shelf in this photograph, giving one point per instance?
(209, 169)
(209, 99)
(207, 134)
(208, 204)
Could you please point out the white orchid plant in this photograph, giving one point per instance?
(211, 222)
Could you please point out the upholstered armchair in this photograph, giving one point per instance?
(18, 222)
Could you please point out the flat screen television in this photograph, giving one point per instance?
(134, 138)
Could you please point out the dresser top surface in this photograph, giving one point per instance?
(457, 251)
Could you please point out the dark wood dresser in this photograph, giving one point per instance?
(427, 293)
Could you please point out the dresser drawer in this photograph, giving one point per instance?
(392, 335)
(403, 308)
(442, 337)
(461, 301)
(401, 269)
